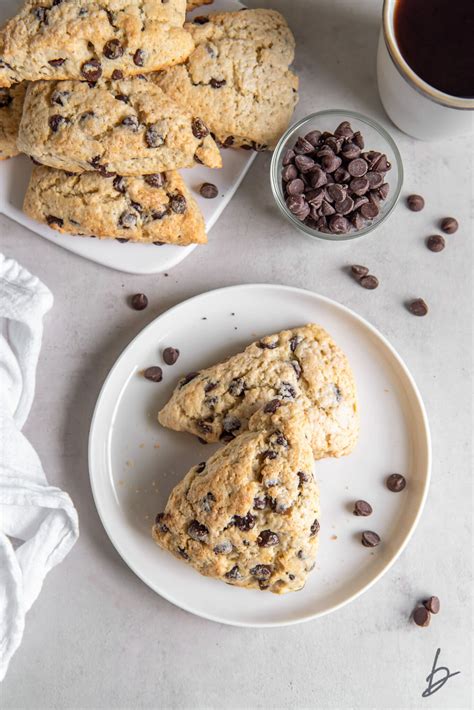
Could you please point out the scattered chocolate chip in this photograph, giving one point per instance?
(199, 128)
(131, 122)
(261, 572)
(56, 62)
(435, 243)
(418, 307)
(432, 604)
(159, 523)
(208, 190)
(260, 503)
(230, 424)
(244, 523)
(128, 220)
(201, 20)
(197, 531)
(117, 75)
(304, 478)
(112, 49)
(314, 529)
(56, 121)
(267, 538)
(170, 355)
(303, 146)
(183, 553)
(449, 225)
(200, 467)
(396, 482)
(272, 406)
(207, 502)
(421, 616)
(237, 387)
(370, 539)
(217, 83)
(139, 301)
(91, 70)
(269, 454)
(369, 281)
(415, 203)
(154, 373)
(313, 137)
(359, 270)
(361, 507)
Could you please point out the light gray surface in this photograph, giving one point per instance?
(99, 638)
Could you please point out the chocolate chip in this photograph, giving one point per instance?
(119, 184)
(260, 503)
(304, 163)
(314, 529)
(288, 156)
(204, 426)
(123, 98)
(369, 282)
(223, 548)
(370, 539)
(208, 190)
(303, 146)
(5, 98)
(359, 270)
(269, 454)
(330, 163)
(357, 167)
(178, 203)
(344, 206)
(155, 180)
(51, 219)
(207, 502)
(318, 178)
(159, 523)
(415, 203)
(418, 307)
(187, 378)
(339, 225)
(237, 387)
(361, 507)
(294, 187)
(139, 301)
(183, 553)
(396, 482)
(128, 220)
(267, 538)
(369, 210)
(153, 139)
(244, 523)
(286, 391)
(344, 130)
(297, 368)
(92, 70)
(374, 179)
(139, 58)
(233, 573)
(294, 342)
(449, 225)
(261, 572)
(230, 423)
(217, 83)
(117, 75)
(154, 373)
(170, 355)
(112, 49)
(313, 137)
(56, 121)
(201, 20)
(435, 243)
(336, 192)
(272, 406)
(432, 604)
(200, 467)
(421, 616)
(131, 122)
(289, 172)
(199, 128)
(304, 478)
(197, 531)
(56, 62)
(264, 345)
(350, 151)
(383, 191)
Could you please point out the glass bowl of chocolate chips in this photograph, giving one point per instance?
(336, 175)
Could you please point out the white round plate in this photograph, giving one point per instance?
(134, 462)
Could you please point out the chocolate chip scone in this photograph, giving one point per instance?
(237, 78)
(250, 515)
(74, 39)
(150, 209)
(11, 106)
(299, 364)
(130, 127)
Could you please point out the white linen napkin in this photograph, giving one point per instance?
(38, 522)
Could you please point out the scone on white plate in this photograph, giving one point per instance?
(249, 516)
(302, 364)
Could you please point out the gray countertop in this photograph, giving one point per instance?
(98, 637)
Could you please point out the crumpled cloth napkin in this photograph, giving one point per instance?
(38, 522)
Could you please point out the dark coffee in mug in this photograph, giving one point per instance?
(436, 39)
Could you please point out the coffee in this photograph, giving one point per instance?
(436, 39)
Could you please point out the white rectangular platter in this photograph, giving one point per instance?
(128, 257)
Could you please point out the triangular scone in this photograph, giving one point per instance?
(130, 127)
(237, 79)
(150, 209)
(74, 39)
(250, 515)
(11, 106)
(302, 363)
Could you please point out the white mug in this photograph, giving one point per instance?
(413, 105)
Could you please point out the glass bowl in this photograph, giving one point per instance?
(375, 138)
